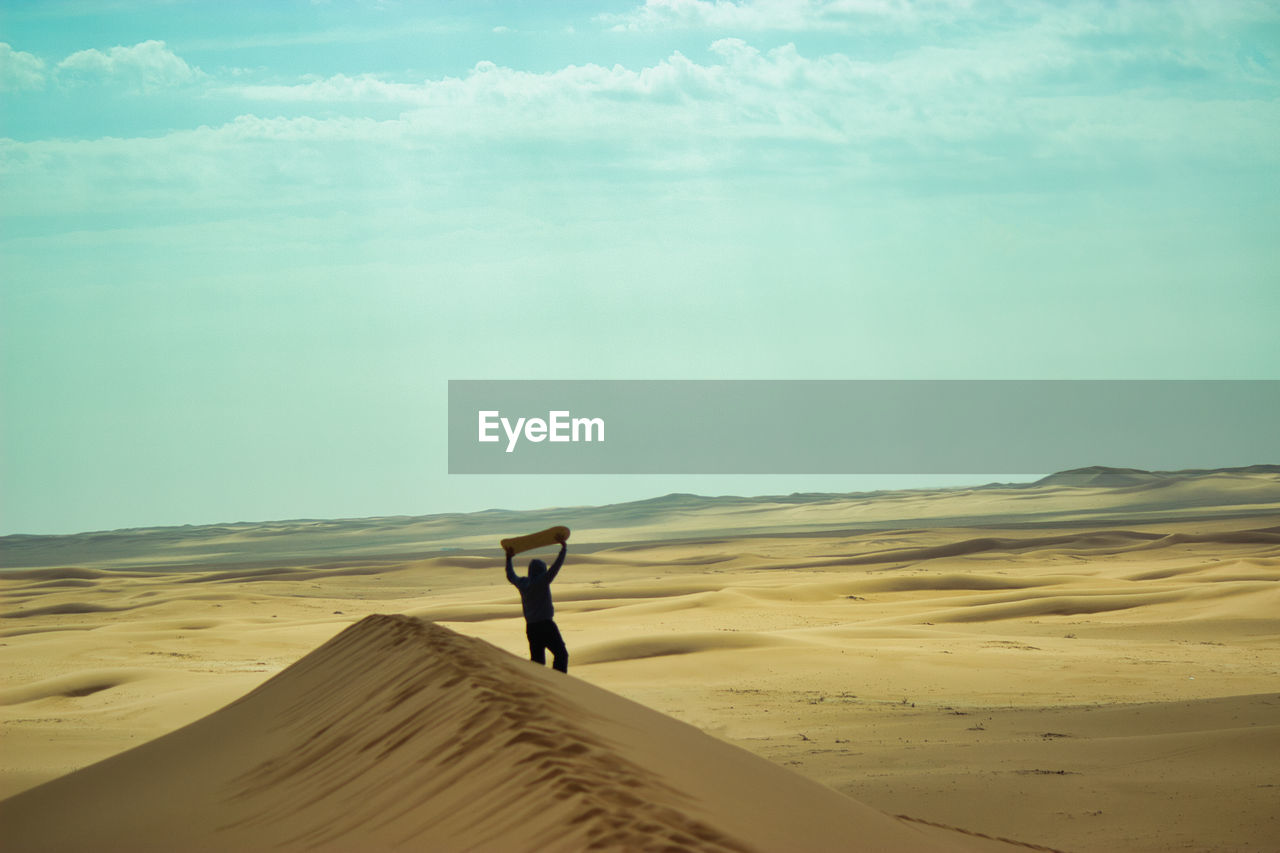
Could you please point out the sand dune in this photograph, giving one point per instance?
(1094, 542)
(1089, 667)
(402, 734)
(73, 685)
(59, 609)
(1066, 497)
(61, 573)
(670, 644)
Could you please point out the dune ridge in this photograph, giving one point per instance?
(401, 733)
(249, 547)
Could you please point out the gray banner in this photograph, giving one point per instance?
(858, 426)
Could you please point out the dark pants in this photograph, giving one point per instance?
(545, 635)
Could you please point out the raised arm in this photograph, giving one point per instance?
(511, 573)
(555, 567)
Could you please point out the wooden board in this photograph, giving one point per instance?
(534, 540)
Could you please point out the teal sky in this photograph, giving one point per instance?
(244, 246)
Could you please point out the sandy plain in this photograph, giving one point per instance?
(1092, 663)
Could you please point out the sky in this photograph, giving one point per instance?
(244, 246)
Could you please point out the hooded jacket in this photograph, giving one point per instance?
(535, 590)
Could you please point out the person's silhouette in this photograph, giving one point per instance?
(535, 601)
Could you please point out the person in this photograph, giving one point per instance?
(535, 601)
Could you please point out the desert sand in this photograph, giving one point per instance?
(1089, 663)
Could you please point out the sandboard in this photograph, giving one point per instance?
(534, 540)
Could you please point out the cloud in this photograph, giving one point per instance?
(19, 71)
(1023, 86)
(1171, 17)
(1057, 100)
(144, 67)
(489, 84)
(781, 15)
(339, 88)
(955, 117)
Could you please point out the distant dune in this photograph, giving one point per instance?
(1100, 475)
(400, 733)
(1082, 495)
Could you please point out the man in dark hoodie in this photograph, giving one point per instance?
(535, 600)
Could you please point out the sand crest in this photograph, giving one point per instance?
(402, 733)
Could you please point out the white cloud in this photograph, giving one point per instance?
(361, 88)
(19, 71)
(784, 15)
(1171, 17)
(1037, 105)
(672, 14)
(1008, 92)
(144, 67)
